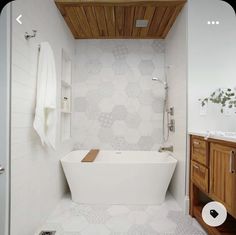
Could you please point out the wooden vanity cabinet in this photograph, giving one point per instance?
(213, 176)
(223, 176)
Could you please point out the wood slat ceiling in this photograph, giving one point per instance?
(89, 19)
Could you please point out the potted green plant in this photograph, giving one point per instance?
(226, 98)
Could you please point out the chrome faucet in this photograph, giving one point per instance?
(166, 149)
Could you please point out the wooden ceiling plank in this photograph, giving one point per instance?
(119, 16)
(139, 15)
(61, 8)
(121, 2)
(149, 14)
(110, 20)
(156, 20)
(92, 20)
(72, 15)
(117, 19)
(164, 21)
(129, 19)
(71, 26)
(172, 20)
(83, 21)
(100, 15)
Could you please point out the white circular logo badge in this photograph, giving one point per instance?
(214, 214)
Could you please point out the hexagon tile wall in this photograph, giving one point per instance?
(116, 104)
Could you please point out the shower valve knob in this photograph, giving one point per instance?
(172, 125)
(171, 111)
(2, 170)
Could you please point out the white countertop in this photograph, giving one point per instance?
(218, 135)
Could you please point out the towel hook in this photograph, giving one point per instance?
(29, 36)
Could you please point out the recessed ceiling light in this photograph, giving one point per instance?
(208, 22)
(213, 22)
(141, 23)
(217, 22)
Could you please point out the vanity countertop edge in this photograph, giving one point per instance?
(216, 137)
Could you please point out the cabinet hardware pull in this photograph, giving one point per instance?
(196, 143)
(232, 162)
(195, 166)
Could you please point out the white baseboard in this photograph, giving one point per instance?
(186, 205)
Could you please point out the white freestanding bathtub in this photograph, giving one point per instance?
(119, 177)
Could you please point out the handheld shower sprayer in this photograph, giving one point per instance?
(165, 120)
(161, 81)
(167, 124)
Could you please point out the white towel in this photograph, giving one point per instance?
(45, 121)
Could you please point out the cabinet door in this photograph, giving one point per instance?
(222, 176)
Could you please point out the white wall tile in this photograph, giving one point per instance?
(38, 181)
(176, 58)
(114, 93)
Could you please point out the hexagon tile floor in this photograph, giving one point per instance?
(70, 218)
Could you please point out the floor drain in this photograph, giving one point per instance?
(48, 233)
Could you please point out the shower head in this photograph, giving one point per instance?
(156, 79)
(161, 81)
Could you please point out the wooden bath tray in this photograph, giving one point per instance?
(91, 155)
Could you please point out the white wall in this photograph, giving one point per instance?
(38, 182)
(116, 103)
(5, 21)
(176, 58)
(212, 61)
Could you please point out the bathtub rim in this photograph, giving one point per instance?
(171, 159)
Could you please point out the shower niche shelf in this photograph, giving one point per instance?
(66, 90)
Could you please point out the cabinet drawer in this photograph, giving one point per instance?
(199, 175)
(199, 151)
